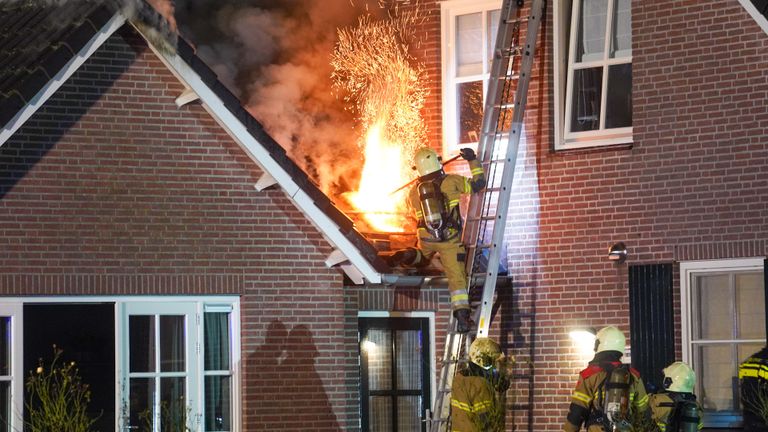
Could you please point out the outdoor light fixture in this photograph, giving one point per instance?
(584, 340)
(618, 253)
(368, 345)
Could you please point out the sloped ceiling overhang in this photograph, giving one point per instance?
(353, 253)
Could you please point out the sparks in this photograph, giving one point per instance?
(377, 76)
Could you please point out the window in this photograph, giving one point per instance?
(593, 73)
(11, 370)
(395, 373)
(178, 361)
(469, 34)
(723, 323)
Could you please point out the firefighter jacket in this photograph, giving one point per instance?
(587, 398)
(664, 405)
(452, 187)
(477, 404)
(753, 376)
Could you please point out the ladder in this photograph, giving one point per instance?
(487, 214)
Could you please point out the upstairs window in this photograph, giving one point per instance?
(593, 76)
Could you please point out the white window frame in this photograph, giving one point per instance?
(16, 312)
(202, 304)
(449, 11)
(564, 46)
(688, 269)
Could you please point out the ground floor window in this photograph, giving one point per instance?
(395, 373)
(151, 363)
(723, 305)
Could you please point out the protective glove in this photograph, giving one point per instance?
(468, 154)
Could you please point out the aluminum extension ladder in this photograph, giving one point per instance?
(487, 214)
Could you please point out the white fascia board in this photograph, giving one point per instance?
(61, 77)
(756, 15)
(263, 159)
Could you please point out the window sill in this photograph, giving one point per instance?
(594, 143)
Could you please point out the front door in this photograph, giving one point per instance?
(158, 360)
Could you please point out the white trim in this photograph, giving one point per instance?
(187, 96)
(430, 315)
(16, 313)
(756, 15)
(61, 77)
(258, 154)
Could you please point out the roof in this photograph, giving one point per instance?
(41, 45)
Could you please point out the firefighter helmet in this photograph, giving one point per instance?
(484, 352)
(679, 377)
(610, 339)
(427, 161)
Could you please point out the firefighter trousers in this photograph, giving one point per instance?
(452, 254)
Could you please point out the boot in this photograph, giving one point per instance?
(463, 322)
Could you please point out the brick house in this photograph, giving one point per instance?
(153, 231)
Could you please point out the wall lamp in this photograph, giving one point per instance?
(618, 253)
(584, 340)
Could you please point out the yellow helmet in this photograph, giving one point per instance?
(427, 161)
(679, 377)
(484, 352)
(610, 339)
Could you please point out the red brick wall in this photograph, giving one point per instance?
(692, 186)
(112, 189)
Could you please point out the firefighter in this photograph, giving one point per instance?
(676, 408)
(434, 202)
(477, 402)
(753, 376)
(607, 391)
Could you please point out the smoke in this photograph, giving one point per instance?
(276, 56)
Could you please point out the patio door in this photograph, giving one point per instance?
(159, 361)
(11, 369)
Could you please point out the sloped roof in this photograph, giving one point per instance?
(42, 44)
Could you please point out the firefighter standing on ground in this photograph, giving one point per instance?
(477, 402)
(434, 202)
(676, 409)
(607, 390)
(753, 376)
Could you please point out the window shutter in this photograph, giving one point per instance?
(651, 321)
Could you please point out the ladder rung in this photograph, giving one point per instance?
(481, 246)
(481, 218)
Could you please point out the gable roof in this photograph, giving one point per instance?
(42, 45)
(758, 9)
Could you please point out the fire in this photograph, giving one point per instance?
(382, 173)
(387, 89)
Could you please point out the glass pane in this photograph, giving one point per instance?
(750, 305)
(141, 329)
(378, 347)
(380, 408)
(5, 346)
(218, 414)
(618, 110)
(621, 42)
(173, 406)
(590, 42)
(217, 341)
(409, 367)
(469, 44)
(409, 413)
(142, 392)
(470, 107)
(493, 25)
(5, 406)
(172, 356)
(713, 314)
(716, 375)
(586, 99)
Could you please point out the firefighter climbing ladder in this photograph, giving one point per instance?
(486, 218)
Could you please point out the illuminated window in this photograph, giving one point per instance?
(723, 324)
(469, 34)
(593, 73)
(395, 373)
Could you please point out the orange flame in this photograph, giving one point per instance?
(382, 173)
